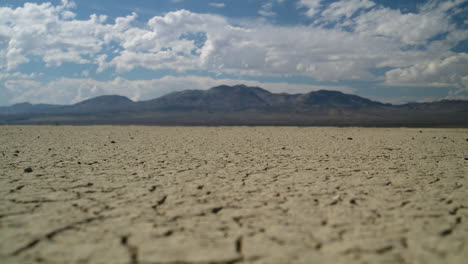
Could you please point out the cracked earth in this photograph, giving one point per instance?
(233, 195)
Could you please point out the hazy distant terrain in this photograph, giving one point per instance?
(242, 105)
(223, 195)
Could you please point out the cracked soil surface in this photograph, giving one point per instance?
(233, 195)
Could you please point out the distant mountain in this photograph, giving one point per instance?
(337, 99)
(105, 100)
(221, 98)
(27, 108)
(443, 105)
(105, 103)
(240, 97)
(242, 105)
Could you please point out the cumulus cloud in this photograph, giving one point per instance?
(450, 71)
(409, 29)
(49, 32)
(349, 39)
(312, 6)
(68, 90)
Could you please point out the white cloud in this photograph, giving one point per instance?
(410, 28)
(47, 31)
(267, 10)
(313, 6)
(17, 75)
(363, 36)
(345, 8)
(68, 91)
(446, 72)
(218, 5)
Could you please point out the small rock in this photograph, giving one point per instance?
(216, 210)
(28, 170)
(168, 233)
(113, 142)
(446, 232)
(350, 138)
(335, 199)
(124, 240)
(404, 203)
(384, 249)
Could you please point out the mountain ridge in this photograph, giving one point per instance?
(240, 104)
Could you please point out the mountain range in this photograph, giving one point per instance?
(242, 105)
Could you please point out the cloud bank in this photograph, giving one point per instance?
(345, 40)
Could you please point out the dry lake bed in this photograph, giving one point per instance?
(220, 195)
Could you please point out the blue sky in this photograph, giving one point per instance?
(395, 51)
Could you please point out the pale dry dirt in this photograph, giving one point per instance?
(222, 195)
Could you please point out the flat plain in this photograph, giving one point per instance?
(134, 194)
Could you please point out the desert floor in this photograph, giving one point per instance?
(108, 194)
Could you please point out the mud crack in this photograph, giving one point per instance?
(50, 235)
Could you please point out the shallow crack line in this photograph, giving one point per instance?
(87, 185)
(40, 201)
(53, 233)
(132, 250)
(16, 213)
(239, 245)
(227, 261)
(108, 190)
(160, 202)
(449, 230)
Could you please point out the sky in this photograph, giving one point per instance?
(396, 51)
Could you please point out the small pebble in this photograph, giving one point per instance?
(28, 170)
(335, 200)
(216, 210)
